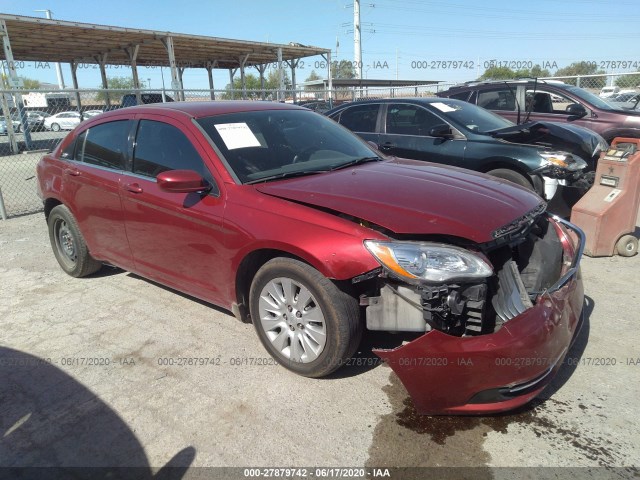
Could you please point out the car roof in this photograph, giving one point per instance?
(414, 100)
(203, 109)
(522, 81)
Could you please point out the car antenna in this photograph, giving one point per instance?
(530, 107)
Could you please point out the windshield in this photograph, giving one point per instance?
(469, 117)
(279, 143)
(589, 97)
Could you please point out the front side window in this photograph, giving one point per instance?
(104, 145)
(161, 147)
(410, 120)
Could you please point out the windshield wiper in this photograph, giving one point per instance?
(356, 161)
(279, 176)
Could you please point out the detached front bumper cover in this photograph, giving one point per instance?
(491, 373)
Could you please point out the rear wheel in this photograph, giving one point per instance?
(68, 244)
(302, 318)
(627, 246)
(55, 127)
(512, 176)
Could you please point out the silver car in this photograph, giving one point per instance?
(62, 121)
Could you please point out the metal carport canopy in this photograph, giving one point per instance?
(38, 39)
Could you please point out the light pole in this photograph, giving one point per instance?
(148, 83)
(58, 67)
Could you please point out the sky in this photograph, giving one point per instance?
(442, 40)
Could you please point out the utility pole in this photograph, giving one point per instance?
(58, 67)
(357, 45)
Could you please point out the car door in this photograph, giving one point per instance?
(361, 119)
(406, 133)
(91, 188)
(175, 238)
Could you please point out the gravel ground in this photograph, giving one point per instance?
(86, 379)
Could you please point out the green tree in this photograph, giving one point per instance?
(30, 83)
(124, 84)
(628, 81)
(498, 73)
(582, 68)
(505, 73)
(313, 76)
(271, 82)
(343, 69)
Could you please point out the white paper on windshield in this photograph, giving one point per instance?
(443, 107)
(237, 135)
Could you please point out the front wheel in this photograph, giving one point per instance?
(512, 176)
(55, 127)
(68, 244)
(302, 318)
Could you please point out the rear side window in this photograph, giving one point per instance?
(161, 147)
(361, 118)
(499, 99)
(464, 96)
(104, 145)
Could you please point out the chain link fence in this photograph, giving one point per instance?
(30, 131)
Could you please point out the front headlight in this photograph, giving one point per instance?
(417, 262)
(564, 160)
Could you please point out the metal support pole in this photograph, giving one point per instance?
(280, 76)
(15, 83)
(3, 211)
(210, 66)
(176, 84)
(74, 80)
(232, 72)
(327, 57)
(261, 69)
(102, 61)
(132, 54)
(293, 64)
(243, 81)
(6, 113)
(180, 73)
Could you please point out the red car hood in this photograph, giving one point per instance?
(413, 197)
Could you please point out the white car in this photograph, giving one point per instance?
(62, 121)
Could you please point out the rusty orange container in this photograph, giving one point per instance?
(607, 213)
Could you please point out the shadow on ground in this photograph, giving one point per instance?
(51, 426)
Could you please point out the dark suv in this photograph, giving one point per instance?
(545, 100)
(129, 100)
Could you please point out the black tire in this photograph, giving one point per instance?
(341, 312)
(68, 244)
(627, 246)
(512, 176)
(55, 127)
(17, 129)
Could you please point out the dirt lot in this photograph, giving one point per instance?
(93, 373)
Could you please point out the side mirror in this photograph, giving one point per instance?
(182, 181)
(441, 130)
(373, 145)
(576, 110)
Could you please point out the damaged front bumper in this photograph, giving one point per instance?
(446, 374)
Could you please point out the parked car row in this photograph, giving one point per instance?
(299, 226)
(536, 155)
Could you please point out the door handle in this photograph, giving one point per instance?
(74, 172)
(133, 188)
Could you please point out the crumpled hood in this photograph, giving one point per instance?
(413, 197)
(576, 139)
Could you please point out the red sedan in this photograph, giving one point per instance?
(295, 224)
